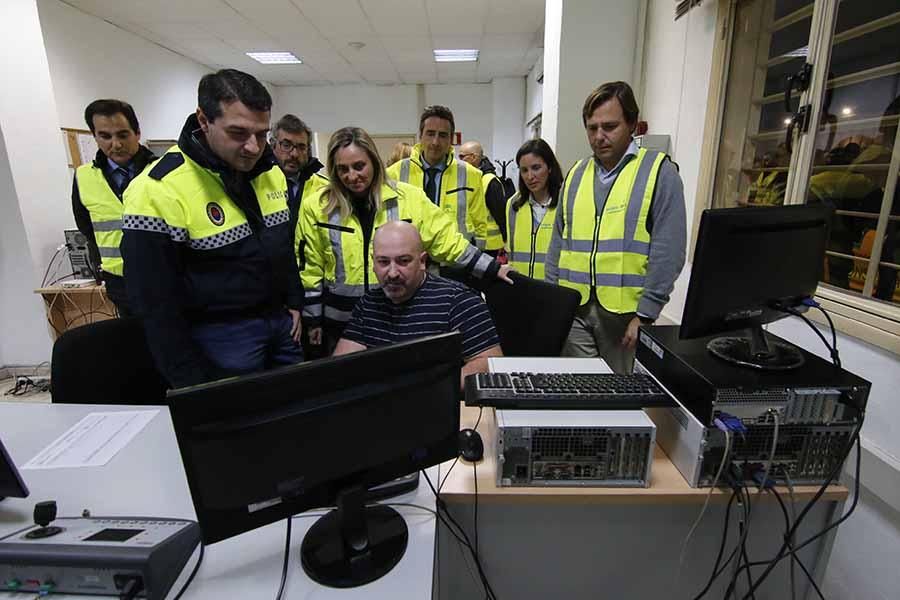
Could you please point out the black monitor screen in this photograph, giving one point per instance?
(11, 483)
(750, 264)
(260, 448)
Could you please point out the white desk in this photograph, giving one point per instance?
(147, 479)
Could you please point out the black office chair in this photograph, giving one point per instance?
(107, 362)
(532, 317)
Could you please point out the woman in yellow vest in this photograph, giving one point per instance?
(336, 230)
(532, 210)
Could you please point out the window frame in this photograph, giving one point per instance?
(867, 319)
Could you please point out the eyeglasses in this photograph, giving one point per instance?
(289, 146)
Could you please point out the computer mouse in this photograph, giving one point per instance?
(471, 447)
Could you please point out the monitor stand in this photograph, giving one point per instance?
(354, 544)
(756, 351)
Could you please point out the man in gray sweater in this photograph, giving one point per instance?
(620, 234)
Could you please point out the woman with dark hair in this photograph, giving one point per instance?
(532, 210)
(335, 232)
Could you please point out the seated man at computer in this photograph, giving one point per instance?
(412, 303)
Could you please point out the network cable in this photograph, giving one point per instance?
(725, 456)
(832, 475)
(446, 518)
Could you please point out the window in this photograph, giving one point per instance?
(831, 139)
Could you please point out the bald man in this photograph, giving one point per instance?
(412, 303)
(494, 194)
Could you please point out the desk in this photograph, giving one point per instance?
(608, 542)
(147, 479)
(72, 307)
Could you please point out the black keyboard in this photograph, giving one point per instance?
(564, 391)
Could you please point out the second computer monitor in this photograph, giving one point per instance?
(11, 483)
(750, 265)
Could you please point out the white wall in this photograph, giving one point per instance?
(508, 116)
(596, 42)
(676, 78)
(377, 109)
(395, 109)
(534, 95)
(63, 60)
(472, 106)
(34, 183)
(92, 59)
(23, 327)
(677, 62)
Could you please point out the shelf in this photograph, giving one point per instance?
(843, 81)
(794, 17)
(856, 213)
(840, 38)
(844, 125)
(819, 168)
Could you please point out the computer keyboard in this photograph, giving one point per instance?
(564, 391)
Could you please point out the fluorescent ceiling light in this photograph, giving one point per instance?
(455, 55)
(275, 58)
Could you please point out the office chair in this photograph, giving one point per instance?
(532, 317)
(107, 362)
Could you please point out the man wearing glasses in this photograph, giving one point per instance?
(290, 142)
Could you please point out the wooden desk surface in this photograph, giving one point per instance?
(667, 486)
(58, 289)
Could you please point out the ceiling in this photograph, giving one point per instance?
(399, 36)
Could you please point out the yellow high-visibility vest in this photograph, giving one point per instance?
(337, 267)
(106, 212)
(528, 246)
(608, 252)
(461, 195)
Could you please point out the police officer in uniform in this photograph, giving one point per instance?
(98, 187)
(620, 233)
(208, 245)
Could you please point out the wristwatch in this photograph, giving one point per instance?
(646, 320)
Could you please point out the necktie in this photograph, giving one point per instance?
(431, 184)
(123, 178)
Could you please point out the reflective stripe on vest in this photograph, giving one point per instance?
(340, 285)
(609, 253)
(106, 212)
(210, 219)
(461, 182)
(493, 234)
(461, 197)
(528, 248)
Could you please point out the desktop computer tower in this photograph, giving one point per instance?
(593, 448)
(79, 254)
(817, 407)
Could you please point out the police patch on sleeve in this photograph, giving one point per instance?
(215, 213)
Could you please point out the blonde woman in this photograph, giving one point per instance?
(400, 151)
(336, 231)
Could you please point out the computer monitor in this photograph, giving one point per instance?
(11, 483)
(750, 264)
(264, 447)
